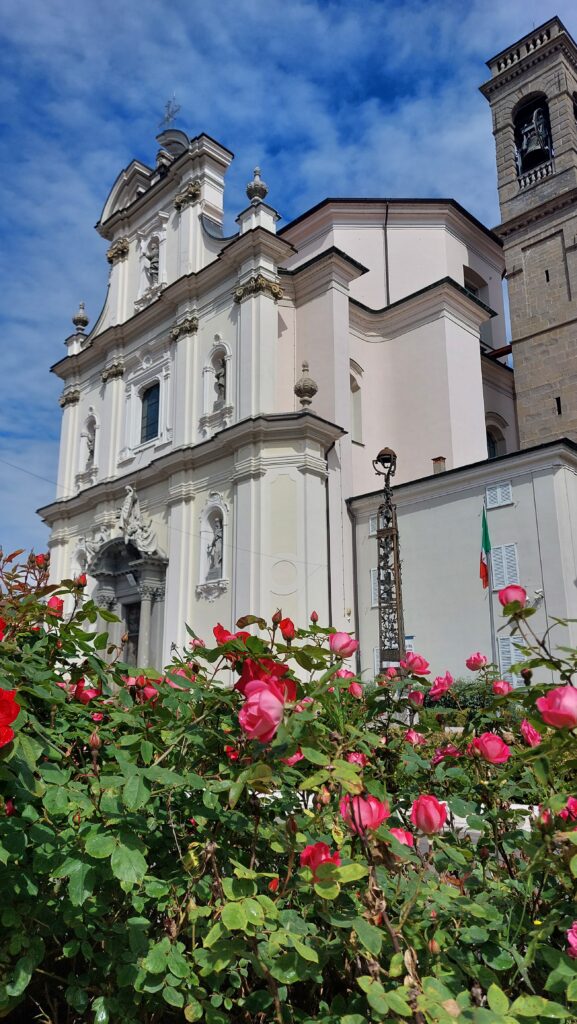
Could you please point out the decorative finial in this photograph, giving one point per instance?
(305, 388)
(256, 189)
(171, 109)
(80, 320)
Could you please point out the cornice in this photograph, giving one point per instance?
(542, 458)
(537, 213)
(185, 290)
(258, 430)
(516, 63)
(444, 296)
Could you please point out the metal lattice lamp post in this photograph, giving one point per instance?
(391, 625)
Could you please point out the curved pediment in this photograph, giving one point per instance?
(130, 183)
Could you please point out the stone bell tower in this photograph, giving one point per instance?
(533, 97)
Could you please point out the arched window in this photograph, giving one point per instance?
(533, 143)
(495, 442)
(150, 410)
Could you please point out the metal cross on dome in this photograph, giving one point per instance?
(171, 109)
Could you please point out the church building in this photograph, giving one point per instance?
(221, 417)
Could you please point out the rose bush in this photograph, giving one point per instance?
(236, 838)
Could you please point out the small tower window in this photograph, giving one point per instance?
(356, 409)
(150, 410)
(533, 143)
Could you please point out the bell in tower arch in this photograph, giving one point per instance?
(532, 135)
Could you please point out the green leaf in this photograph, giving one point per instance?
(315, 756)
(370, 936)
(81, 883)
(398, 1004)
(314, 780)
(571, 994)
(100, 845)
(307, 952)
(128, 864)
(156, 959)
(135, 793)
(351, 872)
(537, 1006)
(233, 916)
(237, 888)
(497, 999)
(172, 996)
(327, 890)
(23, 970)
(193, 1010)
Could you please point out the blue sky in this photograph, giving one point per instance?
(369, 97)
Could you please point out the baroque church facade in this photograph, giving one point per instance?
(221, 417)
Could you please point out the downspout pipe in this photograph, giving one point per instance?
(386, 241)
(329, 579)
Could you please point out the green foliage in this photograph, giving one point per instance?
(151, 852)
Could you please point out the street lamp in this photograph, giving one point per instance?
(391, 625)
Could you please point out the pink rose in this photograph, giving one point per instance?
(501, 687)
(356, 690)
(9, 807)
(391, 672)
(363, 813)
(449, 750)
(416, 664)
(403, 836)
(428, 814)
(530, 735)
(569, 812)
(559, 707)
(261, 714)
(544, 817)
(476, 661)
(355, 757)
(512, 593)
(416, 738)
(97, 716)
(55, 607)
(316, 854)
(302, 705)
(440, 686)
(287, 628)
(293, 759)
(492, 748)
(342, 644)
(416, 697)
(344, 673)
(572, 940)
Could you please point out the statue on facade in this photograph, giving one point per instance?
(152, 263)
(135, 528)
(214, 551)
(220, 381)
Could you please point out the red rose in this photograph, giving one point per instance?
(9, 808)
(476, 661)
(41, 560)
(262, 712)
(342, 644)
(416, 664)
(2, 628)
(512, 593)
(55, 607)
(273, 885)
(440, 686)
(501, 687)
(428, 814)
(232, 753)
(6, 735)
(529, 733)
(569, 812)
(316, 854)
(9, 709)
(362, 813)
(287, 628)
(559, 707)
(403, 836)
(356, 690)
(293, 759)
(492, 748)
(416, 697)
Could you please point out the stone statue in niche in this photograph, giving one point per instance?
(134, 527)
(220, 381)
(90, 443)
(214, 551)
(152, 263)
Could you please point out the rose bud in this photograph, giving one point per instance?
(277, 617)
(287, 628)
(342, 644)
(95, 742)
(434, 947)
(314, 618)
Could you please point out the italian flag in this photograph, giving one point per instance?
(485, 551)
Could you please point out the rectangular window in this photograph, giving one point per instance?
(373, 524)
(499, 494)
(504, 565)
(509, 654)
(374, 588)
(150, 409)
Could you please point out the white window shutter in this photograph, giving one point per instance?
(372, 525)
(376, 661)
(511, 563)
(492, 496)
(498, 568)
(499, 494)
(374, 588)
(509, 654)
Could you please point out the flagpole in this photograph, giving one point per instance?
(494, 657)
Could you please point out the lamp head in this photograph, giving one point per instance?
(385, 463)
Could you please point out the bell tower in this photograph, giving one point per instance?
(533, 97)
